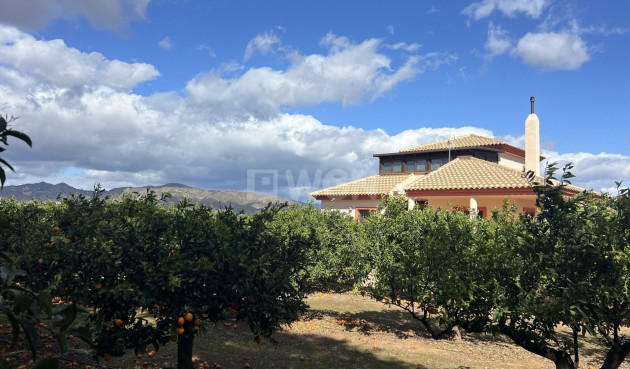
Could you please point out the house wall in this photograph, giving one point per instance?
(487, 202)
(511, 161)
(349, 206)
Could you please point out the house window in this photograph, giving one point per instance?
(392, 166)
(436, 163)
(416, 165)
(411, 165)
(421, 204)
(363, 213)
(397, 166)
(387, 167)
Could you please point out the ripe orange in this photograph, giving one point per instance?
(180, 321)
(431, 310)
(50, 245)
(180, 330)
(302, 358)
(45, 231)
(106, 222)
(119, 323)
(197, 322)
(188, 317)
(247, 365)
(151, 353)
(40, 261)
(56, 229)
(98, 286)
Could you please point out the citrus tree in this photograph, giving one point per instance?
(437, 265)
(571, 269)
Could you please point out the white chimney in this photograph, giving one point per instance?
(532, 141)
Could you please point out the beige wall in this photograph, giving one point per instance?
(488, 202)
(511, 161)
(349, 206)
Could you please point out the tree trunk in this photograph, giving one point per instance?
(184, 350)
(559, 357)
(616, 355)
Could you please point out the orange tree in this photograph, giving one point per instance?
(338, 254)
(572, 269)
(152, 275)
(437, 265)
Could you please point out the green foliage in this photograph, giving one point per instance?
(5, 133)
(430, 261)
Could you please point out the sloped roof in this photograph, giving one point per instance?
(462, 142)
(373, 185)
(470, 173)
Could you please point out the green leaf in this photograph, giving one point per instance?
(19, 135)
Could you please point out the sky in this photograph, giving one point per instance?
(287, 97)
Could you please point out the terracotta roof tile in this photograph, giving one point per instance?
(470, 173)
(462, 142)
(373, 185)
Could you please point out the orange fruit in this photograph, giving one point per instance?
(98, 286)
(40, 261)
(197, 322)
(247, 365)
(431, 310)
(180, 321)
(45, 231)
(302, 358)
(50, 245)
(151, 353)
(173, 338)
(180, 330)
(107, 356)
(56, 229)
(189, 317)
(119, 323)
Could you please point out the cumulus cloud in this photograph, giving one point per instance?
(166, 43)
(117, 138)
(348, 73)
(263, 43)
(34, 14)
(28, 62)
(550, 51)
(484, 8)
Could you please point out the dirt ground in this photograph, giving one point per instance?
(340, 330)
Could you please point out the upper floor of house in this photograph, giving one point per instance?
(425, 158)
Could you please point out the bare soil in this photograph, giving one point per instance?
(340, 330)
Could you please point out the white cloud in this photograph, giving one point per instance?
(92, 122)
(208, 49)
(263, 43)
(33, 14)
(482, 9)
(404, 46)
(497, 43)
(166, 43)
(433, 10)
(349, 73)
(34, 62)
(550, 51)
(594, 171)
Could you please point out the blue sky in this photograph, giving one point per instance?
(227, 94)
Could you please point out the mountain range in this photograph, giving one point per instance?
(250, 202)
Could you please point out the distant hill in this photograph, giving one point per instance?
(250, 202)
